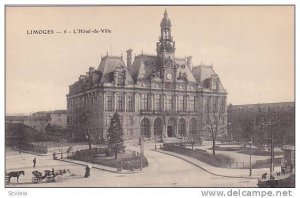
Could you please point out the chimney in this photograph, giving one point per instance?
(189, 62)
(129, 57)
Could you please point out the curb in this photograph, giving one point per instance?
(95, 167)
(33, 153)
(241, 177)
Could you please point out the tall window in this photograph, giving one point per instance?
(169, 102)
(192, 103)
(208, 101)
(109, 103)
(180, 106)
(223, 104)
(119, 106)
(144, 102)
(108, 119)
(181, 127)
(157, 102)
(130, 103)
(215, 104)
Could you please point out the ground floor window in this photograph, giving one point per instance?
(157, 127)
(193, 127)
(145, 127)
(181, 127)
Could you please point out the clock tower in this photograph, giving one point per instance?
(165, 49)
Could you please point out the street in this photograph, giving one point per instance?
(163, 171)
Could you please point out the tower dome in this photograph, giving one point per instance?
(165, 22)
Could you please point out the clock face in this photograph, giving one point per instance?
(169, 76)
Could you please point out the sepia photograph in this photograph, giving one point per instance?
(149, 96)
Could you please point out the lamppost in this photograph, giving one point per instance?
(155, 142)
(269, 126)
(272, 148)
(141, 152)
(88, 137)
(229, 130)
(250, 143)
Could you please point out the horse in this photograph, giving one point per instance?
(15, 174)
(264, 176)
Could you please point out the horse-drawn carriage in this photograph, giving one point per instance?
(49, 176)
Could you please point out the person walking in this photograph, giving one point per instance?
(34, 162)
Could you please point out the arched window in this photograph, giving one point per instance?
(157, 127)
(145, 127)
(181, 127)
(193, 127)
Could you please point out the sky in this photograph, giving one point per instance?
(250, 47)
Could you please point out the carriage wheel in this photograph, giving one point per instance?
(35, 180)
(49, 179)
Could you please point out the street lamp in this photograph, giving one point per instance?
(269, 126)
(250, 143)
(141, 152)
(88, 137)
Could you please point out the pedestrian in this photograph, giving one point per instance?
(87, 171)
(54, 156)
(34, 162)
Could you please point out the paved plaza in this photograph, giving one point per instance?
(163, 171)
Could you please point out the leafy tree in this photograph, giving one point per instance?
(115, 135)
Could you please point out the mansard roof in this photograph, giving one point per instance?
(141, 66)
(203, 75)
(108, 66)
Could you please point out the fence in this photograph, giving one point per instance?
(201, 155)
(128, 160)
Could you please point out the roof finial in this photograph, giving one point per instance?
(166, 13)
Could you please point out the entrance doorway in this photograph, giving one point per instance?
(171, 127)
(170, 131)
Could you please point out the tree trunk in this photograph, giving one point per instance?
(214, 146)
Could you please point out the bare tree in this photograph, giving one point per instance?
(214, 121)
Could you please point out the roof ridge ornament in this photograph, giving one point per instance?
(165, 13)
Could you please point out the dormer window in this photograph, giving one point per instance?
(214, 83)
(120, 80)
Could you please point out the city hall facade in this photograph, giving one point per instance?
(159, 95)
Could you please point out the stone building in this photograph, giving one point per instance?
(41, 119)
(159, 95)
(253, 119)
